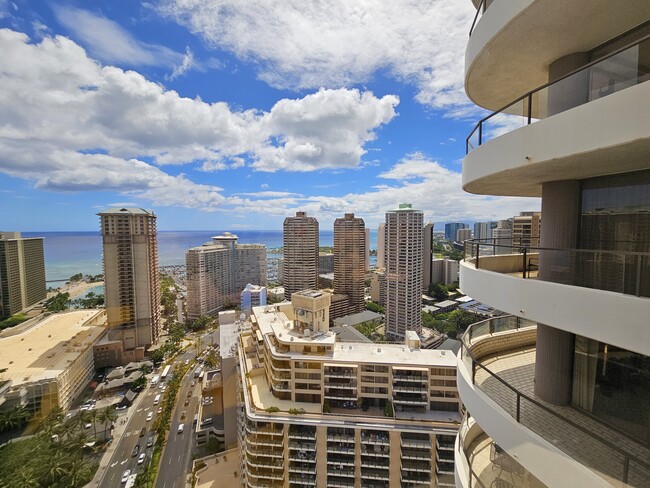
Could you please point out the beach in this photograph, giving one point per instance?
(77, 289)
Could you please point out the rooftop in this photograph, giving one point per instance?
(128, 211)
(357, 318)
(228, 335)
(45, 350)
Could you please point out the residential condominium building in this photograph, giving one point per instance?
(403, 273)
(444, 271)
(463, 234)
(427, 256)
(558, 393)
(219, 270)
(22, 273)
(526, 229)
(322, 413)
(381, 246)
(300, 243)
(350, 262)
(131, 285)
(483, 230)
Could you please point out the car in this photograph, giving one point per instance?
(187, 402)
(121, 407)
(181, 428)
(142, 458)
(150, 440)
(160, 410)
(149, 416)
(143, 431)
(161, 385)
(88, 425)
(193, 383)
(125, 475)
(189, 393)
(187, 361)
(183, 414)
(207, 421)
(164, 388)
(136, 450)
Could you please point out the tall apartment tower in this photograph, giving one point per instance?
(526, 229)
(381, 246)
(350, 260)
(367, 249)
(131, 275)
(22, 273)
(300, 238)
(219, 270)
(427, 256)
(483, 230)
(565, 400)
(404, 242)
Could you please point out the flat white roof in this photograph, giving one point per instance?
(45, 350)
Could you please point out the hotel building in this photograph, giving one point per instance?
(22, 273)
(218, 271)
(314, 411)
(301, 262)
(558, 393)
(131, 279)
(404, 271)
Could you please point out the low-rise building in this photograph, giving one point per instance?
(252, 296)
(49, 364)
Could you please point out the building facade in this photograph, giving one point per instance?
(526, 229)
(445, 271)
(381, 246)
(463, 234)
(565, 400)
(300, 242)
(219, 270)
(350, 250)
(427, 256)
(483, 230)
(403, 273)
(317, 412)
(451, 228)
(131, 283)
(252, 296)
(22, 273)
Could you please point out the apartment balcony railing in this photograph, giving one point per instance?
(615, 72)
(411, 378)
(375, 474)
(341, 471)
(302, 446)
(619, 271)
(340, 460)
(302, 480)
(611, 460)
(480, 10)
(417, 466)
(416, 443)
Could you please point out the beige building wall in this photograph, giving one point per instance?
(381, 246)
(350, 254)
(300, 241)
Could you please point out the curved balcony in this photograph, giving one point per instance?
(598, 283)
(513, 42)
(496, 382)
(604, 119)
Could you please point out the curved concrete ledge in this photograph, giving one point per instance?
(515, 41)
(533, 452)
(584, 142)
(556, 305)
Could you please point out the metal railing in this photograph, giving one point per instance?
(619, 271)
(601, 77)
(535, 416)
(480, 10)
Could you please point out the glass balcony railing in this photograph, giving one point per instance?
(610, 459)
(619, 271)
(616, 72)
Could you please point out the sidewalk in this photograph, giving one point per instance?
(119, 429)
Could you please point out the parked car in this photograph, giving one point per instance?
(125, 475)
(136, 450)
(142, 458)
(143, 431)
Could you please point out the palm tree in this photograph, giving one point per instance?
(79, 473)
(110, 415)
(26, 478)
(57, 467)
(94, 416)
(13, 419)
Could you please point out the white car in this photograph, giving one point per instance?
(181, 427)
(125, 476)
(142, 458)
(149, 416)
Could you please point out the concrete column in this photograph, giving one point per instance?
(571, 91)
(555, 347)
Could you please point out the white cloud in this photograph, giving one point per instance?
(69, 124)
(186, 64)
(302, 44)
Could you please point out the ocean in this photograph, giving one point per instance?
(68, 253)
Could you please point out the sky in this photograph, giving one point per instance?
(233, 114)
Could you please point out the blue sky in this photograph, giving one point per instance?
(221, 115)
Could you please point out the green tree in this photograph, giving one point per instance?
(438, 291)
(157, 356)
(374, 307)
(58, 303)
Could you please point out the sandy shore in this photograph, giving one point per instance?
(77, 289)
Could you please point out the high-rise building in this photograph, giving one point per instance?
(502, 236)
(252, 296)
(558, 392)
(324, 413)
(131, 278)
(403, 275)
(444, 271)
(350, 261)
(219, 270)
(427, 256)
(463, 234)
(22, 273)
(483, 230)
(300, 238)
(367, 249)
(451, 229)
(381, 246)
(325, 263)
